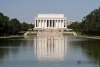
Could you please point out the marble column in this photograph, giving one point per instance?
(51, 23)
(37, 23)
(62, 23)
(58, 23)
(46, 23)
(55, 23)
(41, 23)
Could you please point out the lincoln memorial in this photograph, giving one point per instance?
(50, 21)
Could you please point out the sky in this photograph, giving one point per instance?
(26, 10)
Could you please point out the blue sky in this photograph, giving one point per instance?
(26, 10)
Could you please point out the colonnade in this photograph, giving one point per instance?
(44, 23)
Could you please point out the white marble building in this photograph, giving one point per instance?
(50, 21)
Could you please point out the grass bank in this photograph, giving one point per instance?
(92, 37)
(11, 36)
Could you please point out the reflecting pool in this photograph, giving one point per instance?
(49, 51)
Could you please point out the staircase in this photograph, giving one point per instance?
(49, 32)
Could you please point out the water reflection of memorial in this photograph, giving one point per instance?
(50, 47)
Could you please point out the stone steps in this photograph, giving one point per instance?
(50, 32)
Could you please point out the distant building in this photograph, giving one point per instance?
(69, 22)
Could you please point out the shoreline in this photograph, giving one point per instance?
(91, 37)
(80, 36)
(11, 36)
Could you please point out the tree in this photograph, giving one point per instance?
(3, 24)
(91, 23)
(75, 26)
(14, 26)
(25, 26)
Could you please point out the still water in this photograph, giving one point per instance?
(33, 51)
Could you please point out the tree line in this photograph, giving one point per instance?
(12, 26)
(90, 24)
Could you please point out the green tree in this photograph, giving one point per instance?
(31, 26)
(75, 26)
(3, 24)
(14, 26)
(24, 26)
(91, 23)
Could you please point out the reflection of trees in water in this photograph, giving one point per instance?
(8, 46)
(3, 53)
(12, 46)
(90, 47)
